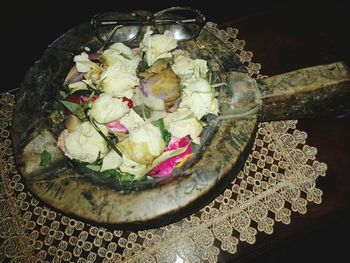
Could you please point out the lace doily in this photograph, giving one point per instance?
(279, 177)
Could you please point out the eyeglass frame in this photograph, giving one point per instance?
(149, 20)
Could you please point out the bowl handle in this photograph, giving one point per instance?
(304, 93)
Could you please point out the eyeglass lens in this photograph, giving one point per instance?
(124, 32)
(183, 23)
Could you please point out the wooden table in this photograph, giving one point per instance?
(282, 38)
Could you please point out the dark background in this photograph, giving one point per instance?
(28, 27)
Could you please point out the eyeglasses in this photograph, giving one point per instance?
(182, 22)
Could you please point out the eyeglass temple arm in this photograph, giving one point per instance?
(97, 22)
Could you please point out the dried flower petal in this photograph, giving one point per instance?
(166, 167)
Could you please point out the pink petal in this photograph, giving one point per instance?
(116, 126)
(61, 140)
(176, 143)
(73, 76)
(163, 169)
(166, 167)
(86, 98)
(135, 50)
(94, 56)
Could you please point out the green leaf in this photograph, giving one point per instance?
(63, 94)
(75, 108)
(143, 66)
(182, 88)
(122, 177)
(143, 111)
(126, 177)
(165, 133)
(46, 159)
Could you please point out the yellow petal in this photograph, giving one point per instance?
(80, 85)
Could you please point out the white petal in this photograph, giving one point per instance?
(198, 96)
(157, 114)
(118, 82)
(85, 143)
(150, 101)
(111, 161)
(186, 127)
(115, 59)
(107, 109)
(131, 167)
(131, 120)
(119, 48)
(157, 46)
(198, 85)
(147, 133)
(187, 68)
(199, 103)
(152, 57)
(83, 63)
(182, 123)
